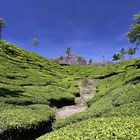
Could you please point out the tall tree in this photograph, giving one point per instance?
(2, 25)
(123, 52)
(131, 51)
(90, 61)
(68, 51)
(103, 59)
(134, 34)
(35, 42)
(116, 57)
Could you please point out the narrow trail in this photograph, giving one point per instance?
(87, 90)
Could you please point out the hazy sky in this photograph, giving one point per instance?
(93, 27)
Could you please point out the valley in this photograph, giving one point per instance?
(40, 99)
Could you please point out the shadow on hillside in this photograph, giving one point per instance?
(62, 102)
(23, 133)
(6, 92)
(107, 75)
(135, 80)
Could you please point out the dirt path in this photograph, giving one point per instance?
(87, 90)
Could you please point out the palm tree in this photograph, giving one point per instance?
(2, 25)
(68, 51)
(35, 43)
(131, 51)
(123, 52)
(103, 58)
(116, 57)
(134, 34)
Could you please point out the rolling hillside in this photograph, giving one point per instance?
(114, 111)
(32, 86)
(29, 86)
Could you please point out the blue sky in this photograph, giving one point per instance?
(93, 27)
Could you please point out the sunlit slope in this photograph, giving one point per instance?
(27, 78)
(116, 128)
(116, 103)
(29, 84)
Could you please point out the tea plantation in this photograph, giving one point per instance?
(99, 129)
(31, 87)
(116, 103)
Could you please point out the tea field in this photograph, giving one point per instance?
(31, 86)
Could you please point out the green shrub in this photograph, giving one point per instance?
(112, 93)
(131, 109)
(19, 117)
(127, 128)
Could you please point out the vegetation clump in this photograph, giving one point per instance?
(29, 86)
(102, 128)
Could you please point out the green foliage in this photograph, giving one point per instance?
(131, 51)
(130, 109)
(116, 57)
(123, 52)
(27, 78)
(23, 117)
(113, 92)
(68, 51)
(99, 129)
(134, 34)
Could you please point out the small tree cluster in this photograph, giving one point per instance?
(116, 57)
(131, 51)
(121, 55)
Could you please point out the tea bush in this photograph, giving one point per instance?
(124, 128)
(21, 118)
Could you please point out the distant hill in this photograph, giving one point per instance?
(72, 59)
(77, 59)
(100, 63)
